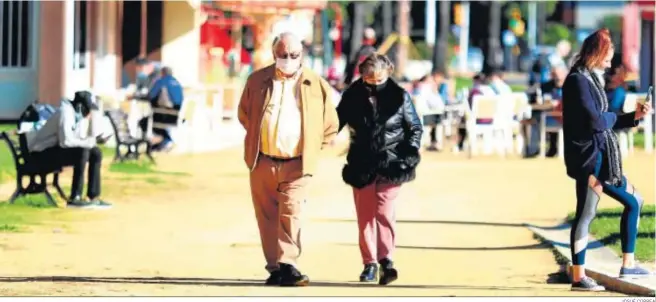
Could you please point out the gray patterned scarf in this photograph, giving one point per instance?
(612, 146)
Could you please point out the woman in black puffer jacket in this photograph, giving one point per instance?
(383, 154)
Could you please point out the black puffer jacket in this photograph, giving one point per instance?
(384, 142)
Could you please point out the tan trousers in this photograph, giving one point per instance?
(278, 190)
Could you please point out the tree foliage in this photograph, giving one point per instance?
(556, 32)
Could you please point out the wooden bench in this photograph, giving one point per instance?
(127, 146)
(36, 170)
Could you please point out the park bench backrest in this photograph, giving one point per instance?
(18, 146)
(119, 121)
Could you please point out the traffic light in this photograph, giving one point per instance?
(457, 14)
(516, 24)
(518, 27)
(515, 13)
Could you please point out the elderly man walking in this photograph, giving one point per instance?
(289, 117)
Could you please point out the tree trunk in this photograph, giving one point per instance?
(441, 48)
(388, 18)
(357, 28)
(493, 44)
(541, 21)
(404, 37)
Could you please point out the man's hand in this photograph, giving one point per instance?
(102, 139)
(642, 110)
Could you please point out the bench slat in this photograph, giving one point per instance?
(166, 111)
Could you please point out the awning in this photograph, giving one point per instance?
(646, 8)
(194, 3)
(268, 6)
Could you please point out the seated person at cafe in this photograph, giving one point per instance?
(442, 84)
(147, 73)
(430, 106)
(552, 91)
(497, 83)
(166, 92)
(616, 86)
(480, 87)
(61, 139)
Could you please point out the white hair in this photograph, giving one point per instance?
(295, 38)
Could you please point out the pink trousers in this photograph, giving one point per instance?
(374, 205)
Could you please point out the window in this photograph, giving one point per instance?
(14, 34)
(80, 36)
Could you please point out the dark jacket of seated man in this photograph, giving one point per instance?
(166, 83)
(61, 139)
(168, 88)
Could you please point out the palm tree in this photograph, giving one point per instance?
(441, 48)
(493, 44)
(357, 28)
(388, 18)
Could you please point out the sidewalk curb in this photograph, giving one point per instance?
(611, 282)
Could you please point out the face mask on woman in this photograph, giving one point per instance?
(375, 88)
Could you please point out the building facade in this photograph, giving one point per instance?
(50, 49)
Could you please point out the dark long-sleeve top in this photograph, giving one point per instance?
(584, 124)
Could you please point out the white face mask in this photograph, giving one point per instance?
(288, 66)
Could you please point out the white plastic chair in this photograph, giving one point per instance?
(521, 112)
(500, 112)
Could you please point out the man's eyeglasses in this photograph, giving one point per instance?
(293, 55)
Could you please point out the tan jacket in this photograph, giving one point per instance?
(319, 118)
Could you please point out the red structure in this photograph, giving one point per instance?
(647, 9)
(262, 15)
(338, 26)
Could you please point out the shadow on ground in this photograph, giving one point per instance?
(456, 222)
(543, 245)
(478, 248)
(238, 282)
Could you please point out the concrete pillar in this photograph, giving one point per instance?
(52, 65)
(181, 41)
(68, 22)
(105, 71)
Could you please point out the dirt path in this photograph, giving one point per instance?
(460, 233)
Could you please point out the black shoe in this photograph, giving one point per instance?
(370, 273)
(388, 273)
(290, 276)
(551, 153)
(274, 278)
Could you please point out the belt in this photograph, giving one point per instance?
(279, 159)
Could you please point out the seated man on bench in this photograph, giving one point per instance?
(166, 93)
(60, 139)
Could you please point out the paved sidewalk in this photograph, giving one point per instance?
(460, 232)
(227, 134)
